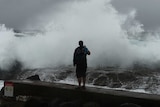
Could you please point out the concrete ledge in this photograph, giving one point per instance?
(66, 91)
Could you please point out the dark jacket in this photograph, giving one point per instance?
(79, 58)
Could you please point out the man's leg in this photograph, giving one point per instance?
(79, 82)
(78, 76)
(84, 81)
(84, 77)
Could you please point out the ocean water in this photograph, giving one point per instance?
(136, 80)
(123, 54)
(141, 80)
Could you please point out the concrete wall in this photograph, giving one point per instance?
(103, 97)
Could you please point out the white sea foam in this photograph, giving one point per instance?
(104, 31)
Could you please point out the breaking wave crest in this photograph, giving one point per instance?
(114, 39)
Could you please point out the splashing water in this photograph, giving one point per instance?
(112, 38)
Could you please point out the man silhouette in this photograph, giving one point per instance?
(80, 61)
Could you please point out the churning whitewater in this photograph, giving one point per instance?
(117, 41)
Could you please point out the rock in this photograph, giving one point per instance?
(63, 75)
(101, 81)
(34, 77)
(127, 76)
(116, 85)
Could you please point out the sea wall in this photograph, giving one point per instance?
(39, 92)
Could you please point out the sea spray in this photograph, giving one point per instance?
(7, 55)
(110, 36)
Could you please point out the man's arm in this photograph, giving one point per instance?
(88, 52)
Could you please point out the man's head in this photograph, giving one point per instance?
(80, 43)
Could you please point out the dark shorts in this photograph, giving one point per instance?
(81, 72)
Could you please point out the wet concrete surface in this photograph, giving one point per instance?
(46, 94)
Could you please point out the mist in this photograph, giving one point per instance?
(111, 37)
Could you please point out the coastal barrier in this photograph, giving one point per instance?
(67, 92)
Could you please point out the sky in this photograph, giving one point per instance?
(20, 13)
(147, 11)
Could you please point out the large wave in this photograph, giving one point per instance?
(114, 39)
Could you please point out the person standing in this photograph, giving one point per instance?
(80, 61)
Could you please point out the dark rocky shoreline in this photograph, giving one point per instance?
(137, 77)
(127, 78)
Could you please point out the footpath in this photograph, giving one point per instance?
(26, 93)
